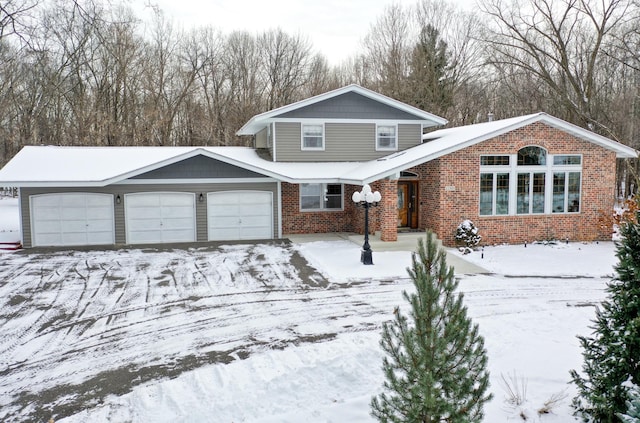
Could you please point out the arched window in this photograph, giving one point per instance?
(532, 156)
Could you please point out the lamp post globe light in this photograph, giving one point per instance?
(366, 199)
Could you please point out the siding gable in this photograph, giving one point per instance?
(199, 167)
(349, 105)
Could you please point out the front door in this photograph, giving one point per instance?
(407, 204)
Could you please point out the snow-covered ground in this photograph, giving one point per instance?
(249, 333)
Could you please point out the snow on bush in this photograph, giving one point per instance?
(467, 235)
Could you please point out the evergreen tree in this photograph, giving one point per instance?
(612, 355)
(429, 83)
(436, 363)
(633, 407)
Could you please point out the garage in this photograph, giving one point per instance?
(160, 217)
(240, 215)
(72, 219)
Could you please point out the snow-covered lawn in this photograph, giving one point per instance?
(251, 333)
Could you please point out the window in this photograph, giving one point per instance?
(566, 192)
(528, 183)
(320, 197)
(313, 136)
(531, 190)
(386, 137)
(532, 156)
(567, 160)
(494, 160)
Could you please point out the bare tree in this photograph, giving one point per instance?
(560, 45)
(286, 66)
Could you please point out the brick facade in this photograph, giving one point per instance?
(449, 193)
(453, 185)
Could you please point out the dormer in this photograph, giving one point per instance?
(348, 124)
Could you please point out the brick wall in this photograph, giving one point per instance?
(454, 181)
(295, 221)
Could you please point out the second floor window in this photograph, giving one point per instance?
(386, 137)
(313, 136)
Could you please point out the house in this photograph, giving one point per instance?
(519, 179)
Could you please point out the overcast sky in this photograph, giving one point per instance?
(335, 27)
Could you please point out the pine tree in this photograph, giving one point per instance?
(429, 81)
(633, 407)
(612, 355)
(436, 363)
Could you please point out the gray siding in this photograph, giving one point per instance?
(409, 136)
(343, 142)
(349, 106)
(199, 167)
(261, 139)
(119, 218)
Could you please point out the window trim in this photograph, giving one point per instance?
(323, 207)
(377, 135)
(302, 146)
(549, 169)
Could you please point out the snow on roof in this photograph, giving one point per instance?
(464, 136)
(258, 122)
(101, 166)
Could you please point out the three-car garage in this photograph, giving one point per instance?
(133, 218)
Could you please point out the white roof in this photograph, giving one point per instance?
(465, 136)
(101, 166)
(258, 122)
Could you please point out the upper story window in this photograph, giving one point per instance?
(528, 183)
(315, 197)
(387, 137)
(313, 136)
(532, 156)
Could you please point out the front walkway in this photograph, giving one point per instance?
(406, 242)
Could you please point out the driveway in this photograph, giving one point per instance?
(79, 325)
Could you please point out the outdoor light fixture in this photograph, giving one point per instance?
(118, 199)
(201, 198)
(366, 199)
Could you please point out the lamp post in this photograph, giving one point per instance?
(366, 199)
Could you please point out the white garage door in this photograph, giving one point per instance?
(72, 219)
(160, 217)
(236, 215)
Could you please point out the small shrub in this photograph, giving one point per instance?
(467, 236)
(553, 401)
(515, 388)
(610, 221)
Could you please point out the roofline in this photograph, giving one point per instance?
(330, 94)
(622, 151)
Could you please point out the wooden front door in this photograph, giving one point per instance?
(407, 204)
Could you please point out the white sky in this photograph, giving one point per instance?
(335, 27)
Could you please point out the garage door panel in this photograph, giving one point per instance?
(136, 212)
(46, 213)
(100, 238)
(240, 215)
(74, 200)
(66, 219)
(99, 213)
(74, 226)
(160, 217)
(177, 212)
(143, 224)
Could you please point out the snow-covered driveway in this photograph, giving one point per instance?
(78, 330)
(76, 326)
